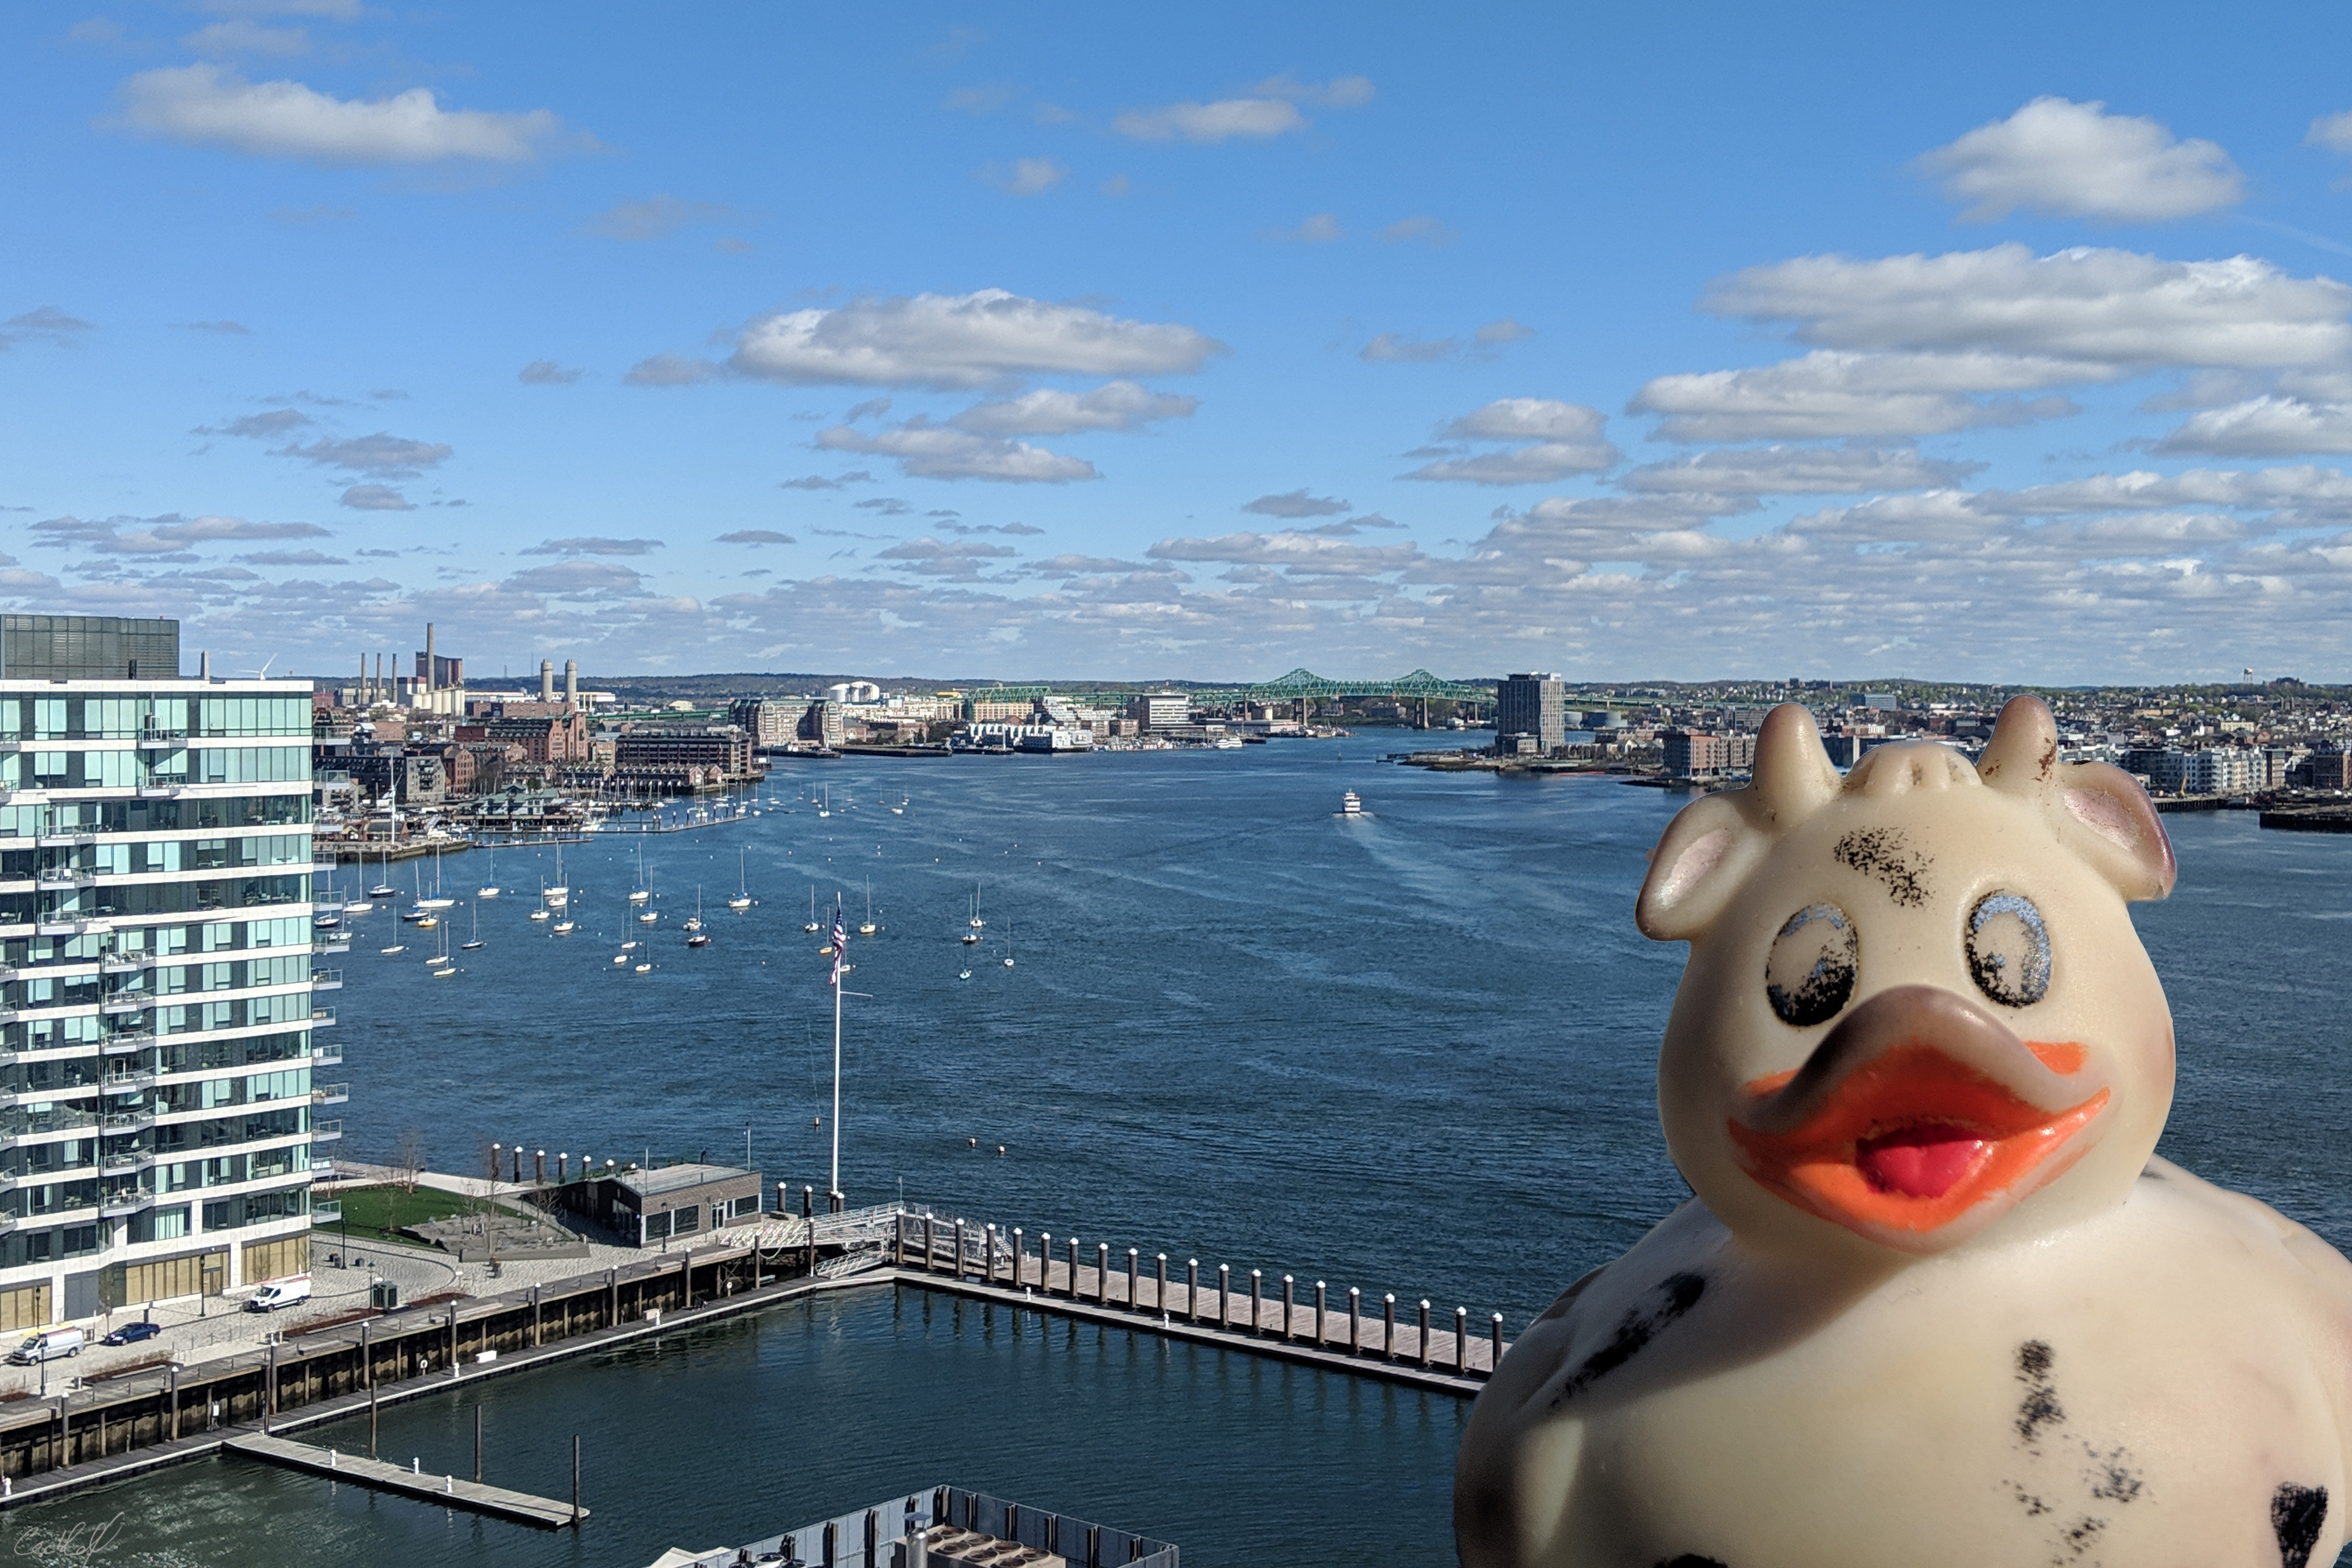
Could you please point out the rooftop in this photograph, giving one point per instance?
(670, 1178)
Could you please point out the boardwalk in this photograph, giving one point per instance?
(448, 1491)
(1413, 1342)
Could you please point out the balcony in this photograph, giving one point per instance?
(323, 1018)
(57, 923)
(332, 1094)
(120, 963)
(128, 1200)
(129, 1041)
(329, 1213)
(322, 1170)
(130, 1082)
(123, 1006)
(124, 1160)
(326, 949)
(326, 980)
(118, 1122)
(325, 1131)
(55, 880)
(326, 1056)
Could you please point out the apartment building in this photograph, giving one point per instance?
(159, 1037)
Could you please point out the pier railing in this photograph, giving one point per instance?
(1283, 1311)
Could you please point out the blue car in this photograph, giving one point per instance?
(131, 1333)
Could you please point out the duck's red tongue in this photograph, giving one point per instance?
(1920, 1162)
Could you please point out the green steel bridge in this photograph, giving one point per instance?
(1299, 685)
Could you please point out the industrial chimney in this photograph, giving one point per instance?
(571, 683)
(547, 680)
(432, 676)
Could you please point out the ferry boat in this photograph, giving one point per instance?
(1350, 804)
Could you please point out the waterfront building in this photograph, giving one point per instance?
(768, 722)
(157, 1029)
(999, 710)
(720, 749)
(822, 724)
(1535, 706)
(1161, 710)
(1693, 754)
(647, 1208)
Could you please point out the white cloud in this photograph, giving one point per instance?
(382, 456)
(1297, 503)
(208, 106)
(669, 370)
(1254, 119)
(48, 323)
(1319, 228)
(578, 580)
(375, 497)
(594, 544)
(1496, 335)
(2303, 489)
(928, 451)
(653, 217)
(1550, 441)
(547, 373)
(1393, 348)
(2333, 132)
(756, 536)
(1424, 229)
(2075, 160)
(330, 10)
(961, 341)
(1830, 394)
(1115, 406)
(1800, 471)
(958, 561)
(1025, 176)
(1301, 552)
(2114, 308)
(170, 534)
(2264, 428)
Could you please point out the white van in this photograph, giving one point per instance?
(280, 1293)
(48, 1345)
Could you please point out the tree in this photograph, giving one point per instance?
(408, 1158)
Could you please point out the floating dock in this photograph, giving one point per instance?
(446, 1490)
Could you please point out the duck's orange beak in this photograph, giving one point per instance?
(1918, 1120)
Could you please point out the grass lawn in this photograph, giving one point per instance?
(377, 1212)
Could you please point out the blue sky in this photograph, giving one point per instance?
(1664, 340)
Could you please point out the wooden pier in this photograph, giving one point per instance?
(1413, 1342)
(447, 1490)
(91, 1435)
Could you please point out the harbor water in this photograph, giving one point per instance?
(1411, 1052)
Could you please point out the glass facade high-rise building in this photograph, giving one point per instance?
(159, 1039)
(1533, 706)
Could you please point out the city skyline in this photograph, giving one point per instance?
(955, 340)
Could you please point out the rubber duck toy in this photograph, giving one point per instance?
(1934, 1302)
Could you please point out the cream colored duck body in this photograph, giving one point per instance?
(1935, 1301)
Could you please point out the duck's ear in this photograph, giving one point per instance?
(2098, 812)
(1713, 844)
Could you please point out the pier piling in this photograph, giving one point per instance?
(1257, 1302)
(1424, 1333)
(1133, 1275)
(1224, 1295)
(1355, 1320)
(1102, 1273)
(1289, 1290)
(1159, 1298)
(1319, 1336)
(1193, 1288)
(1388, 1326)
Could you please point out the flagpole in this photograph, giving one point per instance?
(833, 1193)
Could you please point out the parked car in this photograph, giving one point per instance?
(131, 1333)
(48, 1345)
(280, 1293)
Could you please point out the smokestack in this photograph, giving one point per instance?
(547, 680)
(432, 676)
(205, 665)
(358, 692)
(571, 683)
(376, 695)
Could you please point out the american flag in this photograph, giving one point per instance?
(840, 943)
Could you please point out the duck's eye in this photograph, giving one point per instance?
(1809, 974)
(2008, 950)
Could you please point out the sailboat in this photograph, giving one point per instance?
(383, 890)
(701, 938)
(640, 893)
(541, 914)
(976, 922)
(558, 895)
(357, 905)
(693, 921)
(971, 933)
(900, 809)
(868, 928)
(812, 920)
(1008, 945)
(437, 901)
(491, 891)
(824, 807)
(742, 898)
(470, 943)
(441, 960)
